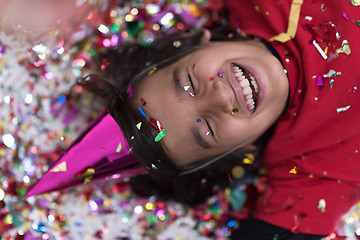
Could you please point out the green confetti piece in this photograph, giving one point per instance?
(160, 135)
(118, 149)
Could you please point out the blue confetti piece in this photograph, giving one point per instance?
(142, 112)
(199, 120)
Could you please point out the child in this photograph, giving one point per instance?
(194, 102)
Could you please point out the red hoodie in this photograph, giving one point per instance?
(320, 131)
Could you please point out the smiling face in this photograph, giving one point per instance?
(221, 97)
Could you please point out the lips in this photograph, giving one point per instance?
(246, 87)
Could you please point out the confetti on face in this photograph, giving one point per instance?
(235, 110)
(220, 74)
(130, 91)
(142, 112)
(211, 78)
(177, 78)
(322, 205)
(153, 70)
(294, 170)
(186, 88)
(342, 109)
(199, 120)
(143, 102)
(156, 124)
(320, 81)
(207, 133)
(118, 149)
(160, 135)
(191, 94)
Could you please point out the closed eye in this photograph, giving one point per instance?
(210, 129)
(191, 83)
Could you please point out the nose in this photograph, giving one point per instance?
(215, 99)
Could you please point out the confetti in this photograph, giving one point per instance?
(346, 17)
(142, 101)
(191, 94)
(235, 110)
(139, 125)
(342, 109)
(142, 112)
(332, 73)
(160, 135)
(355, 2)
(249, 158)
(322, 205)
(322, 53)
(211, 78)
(332, 81)
(320, 81)
(345, 48)
(152, 71)
(186, 88)
(87, 175)
(177, 44)
(118, 149)
(238, 172)
(198, 120)
(294, 170)
(156, 124)
(130, 91)
(62, 167)
(221, 73)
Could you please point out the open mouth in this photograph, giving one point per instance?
(248, 85)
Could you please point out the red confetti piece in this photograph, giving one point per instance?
(230, 178)
(211, 78)
(156, 124)
(143, 102)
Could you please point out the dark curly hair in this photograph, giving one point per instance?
(130, 63)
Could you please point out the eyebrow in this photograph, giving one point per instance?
(198, 138)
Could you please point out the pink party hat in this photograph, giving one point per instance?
(100, 152)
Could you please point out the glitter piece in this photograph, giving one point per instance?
(294, 170)
(342, 109)
(199, 120)
(142, 112)
(153, 166)
(86, 175)
(211, 78)
(191, 94)
(142, 101)
(130, 91)
(156, 124)
(322, 205)
(207, 133)
(118, 149)
(332, 73)
(345, 48)
(186, 88)
(332, 81)
(221, 73)
(62, 167)
(238, 172)
(177, 44)
(160, 135)
(355, 2)
(152, 71)
(139, 125)
(235, 110)
(346, 17)
(320, 81)
(322, 53)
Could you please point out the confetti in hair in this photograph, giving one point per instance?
(152, 71)
(130, 91)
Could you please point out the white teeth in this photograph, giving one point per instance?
(245, 85)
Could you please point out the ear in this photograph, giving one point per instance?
(205, 39)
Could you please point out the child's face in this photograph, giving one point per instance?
(219, 116)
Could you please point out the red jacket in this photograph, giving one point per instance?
(320, 131)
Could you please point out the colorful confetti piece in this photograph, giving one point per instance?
(342, 109)
(160, 135)
(293, 170)
(118, 149)
(142, 112)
